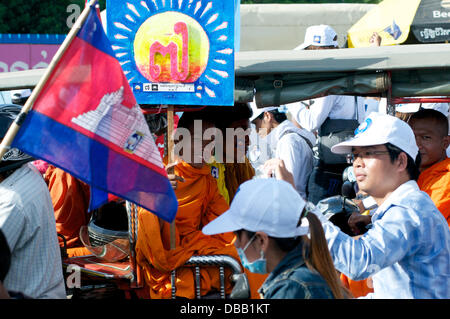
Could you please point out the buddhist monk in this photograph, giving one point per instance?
(199, 202)
(431, 132)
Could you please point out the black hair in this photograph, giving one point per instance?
(412, 165)
(224, 116)
(187, 119)
(325, 47)
(278, 116)
(285, 244)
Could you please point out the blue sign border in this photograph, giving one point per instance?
(28, 38)
(223, 11)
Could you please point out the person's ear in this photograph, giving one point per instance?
(446, 141)
(268, 117)
(402, 161)
(262, 240)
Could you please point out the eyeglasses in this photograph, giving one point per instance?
(366, 154)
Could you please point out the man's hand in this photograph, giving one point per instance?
(174, 179)
(356, 221)
(275, 168)
(375, 40)
(3, 292)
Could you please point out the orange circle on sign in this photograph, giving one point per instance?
(171, 47)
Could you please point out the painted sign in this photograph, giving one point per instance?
(177, 52)
(20, 52)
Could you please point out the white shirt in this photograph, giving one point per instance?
(28, 222)
(371, 105)
(332, 106)
(294, 151)
(259, 152)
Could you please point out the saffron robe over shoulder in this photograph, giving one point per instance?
(435, 181)
(70, 198)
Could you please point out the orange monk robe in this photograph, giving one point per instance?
(70, 198)
(358, 288)
(435, 181)
(199, 202)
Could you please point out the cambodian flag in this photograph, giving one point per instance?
(97, 8)
(87, 122)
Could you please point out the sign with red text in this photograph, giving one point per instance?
(175, 52)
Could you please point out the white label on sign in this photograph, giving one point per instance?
(168, 87)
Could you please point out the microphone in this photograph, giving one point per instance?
(348, 190)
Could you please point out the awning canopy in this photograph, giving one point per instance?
(20, 79)
(286, 76)
(281, 77)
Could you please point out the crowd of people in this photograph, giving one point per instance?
(261, 210)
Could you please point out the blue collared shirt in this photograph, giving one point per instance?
(406, 252)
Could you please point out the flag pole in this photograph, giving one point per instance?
(15, 126)
(171, 170)
(170, 155)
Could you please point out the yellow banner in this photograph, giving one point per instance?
(391, 19)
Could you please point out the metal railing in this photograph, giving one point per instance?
(238, 278)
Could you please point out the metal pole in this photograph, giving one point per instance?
(170, 155)
(390, 106)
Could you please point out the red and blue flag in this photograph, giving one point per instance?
(87, 122)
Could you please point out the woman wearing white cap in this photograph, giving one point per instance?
(271, 222)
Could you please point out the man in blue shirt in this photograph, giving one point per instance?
(407, 249)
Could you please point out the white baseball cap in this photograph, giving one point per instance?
(257, 111)
(414, 107)
(263, 204)
(407, 108)
(380, 129)
(319, 35)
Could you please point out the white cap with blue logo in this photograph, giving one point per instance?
(380, 129)
(319, 35)
(269, 205)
